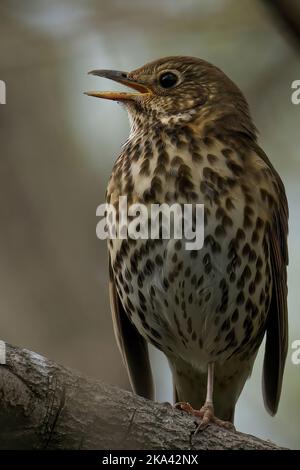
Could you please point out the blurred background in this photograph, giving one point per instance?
(58, 148)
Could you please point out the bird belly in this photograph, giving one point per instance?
(198, 306)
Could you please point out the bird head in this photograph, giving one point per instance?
(179, 88)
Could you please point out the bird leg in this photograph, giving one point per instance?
(206, 412)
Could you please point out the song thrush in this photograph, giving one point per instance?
(192, 140)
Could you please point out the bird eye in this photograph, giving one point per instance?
(168, 80)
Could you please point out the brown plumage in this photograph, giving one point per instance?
(192, 140)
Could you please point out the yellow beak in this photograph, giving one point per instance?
(120, 77)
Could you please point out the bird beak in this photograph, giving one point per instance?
(120, 77)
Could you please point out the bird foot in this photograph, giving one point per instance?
(206, 414)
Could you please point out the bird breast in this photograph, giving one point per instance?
(200, 305)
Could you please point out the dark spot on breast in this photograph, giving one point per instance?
(259, 223)
(234, 167)
(227, 221)
(252, 256)
(163, 157)
(158, 260)
(142, 298)
(255, 237)
(240, 235)
(247, 222)
(149, 267)
(160, 170)
(217, 338)
(230, 337)
(262, 297)
(252, 288)
(174, 258)
(187, 272)
(156, 184)
(212, 158)
(226, 325)
(231, 182)
(140, 280)
(177, 161)
(246, 250)
(258, 277)
(149, 195)
(248, 198)
(128, 276)
(197, 157)
(240, 298)
(235, 316)
(229, 204)
(209, 190)
(254, 312)
(264, 194)
(234, 264)
(208, 141)
(144, 168)
(178, 245)
(247, 273)
(220, 231)
(227, 152)
(220, 212)
(241, 283)
(249, 306)
(259, 262)
(223, 284)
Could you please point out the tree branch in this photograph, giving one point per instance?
(46, 406)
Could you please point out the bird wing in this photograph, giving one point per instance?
(133, 347)
(277, 322)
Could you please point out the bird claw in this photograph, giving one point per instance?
(206, 414)
(184, 406)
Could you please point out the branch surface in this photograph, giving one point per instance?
(47, 406)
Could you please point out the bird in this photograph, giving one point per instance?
(192, 140)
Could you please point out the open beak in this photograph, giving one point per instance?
(120, 77)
